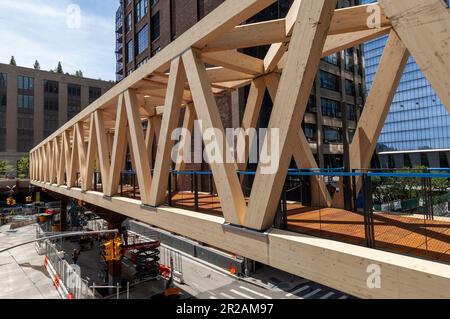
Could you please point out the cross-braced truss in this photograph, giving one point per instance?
(177, 78)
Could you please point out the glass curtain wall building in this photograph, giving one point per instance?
(417, 129)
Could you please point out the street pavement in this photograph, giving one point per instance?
(203, 281)
(23, 275)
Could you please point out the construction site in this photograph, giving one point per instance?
(116, 209)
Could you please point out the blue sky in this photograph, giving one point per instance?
(48, 30)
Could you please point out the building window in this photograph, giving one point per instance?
(333, 59)
(349, 87)
(73, 100)
(310, 132)
(443, 160)
(153, 2)
(94, 94)
(142, 40)
(424, 160)
(332, 135)
(329, 81)
(51, 103)
(333, 161)
(351, 135)
(310, 107)
(3, 90)
(155, 26)
(129, 51)
(155, 51)
(128, 23)
(141, 10)
(25, 92)
(25, 132)
(407, 160)
(349, 61)
(351, 112)
(331, 108)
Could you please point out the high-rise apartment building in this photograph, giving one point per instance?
(144, 27)
(34, 103)
(417, 128)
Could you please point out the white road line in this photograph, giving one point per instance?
(311, 293)
(297, 291)
(328, 295)
(226, 296)
(344, 297)
(255, 292)
(241, 294)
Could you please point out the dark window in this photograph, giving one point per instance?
(332, 135)
(155, 51)
(51, 103)
(141, 9)
(25, 132)
(310, 132)
(329, 81)
(443, 160)
(349, 87)
(94, 93)
(333, 59)
(333, 161)
(331, 108)
(155, 26)
(310, 107)
(128, 23)
(349, 61)
(424, 160)
(142, 40)
(407, 160)
(25, 92)
(351, 112)
(73, 100)
(129, 51)
(153, 2)
(351, 134)
(391, 161)
(3, 90)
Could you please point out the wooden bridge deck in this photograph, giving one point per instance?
(409, 235)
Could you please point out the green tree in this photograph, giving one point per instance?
(12, 61)
(79, 73)
(59, 68)
(23, 166)
(37, 66)
(5, 167)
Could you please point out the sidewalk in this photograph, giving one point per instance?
(23, 273)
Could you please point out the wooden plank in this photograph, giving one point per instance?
(188, 124)
(251, 114)
(250, 35)
(289, 108)
(377, 107)
(91, 155)
(303, 155)
(169, 123)
(103, 149)
(234, 60)
(424, 28)
(141, 161)
(226, 180)
(81, 151)
(67, 155)
(119, 148)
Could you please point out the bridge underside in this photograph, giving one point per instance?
(140, 113)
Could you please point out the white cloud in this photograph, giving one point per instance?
(39, 29)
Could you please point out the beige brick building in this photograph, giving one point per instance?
(34, 103)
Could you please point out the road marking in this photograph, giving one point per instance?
(255, 292)
(311, 293)
(241, 294)
(297, 291)
(328, 295)
(344, 297)
(226, 296)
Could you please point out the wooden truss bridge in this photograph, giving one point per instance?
(141, 112)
